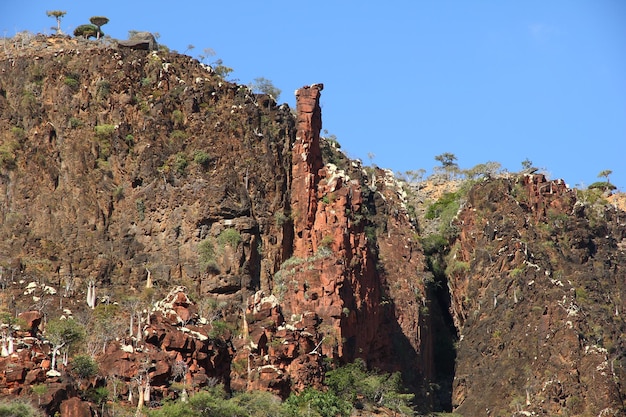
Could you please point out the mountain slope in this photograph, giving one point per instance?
(198, 233)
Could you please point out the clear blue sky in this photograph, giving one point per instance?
(487, 80)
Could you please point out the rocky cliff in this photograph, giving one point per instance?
(537, 285)
(199, 233)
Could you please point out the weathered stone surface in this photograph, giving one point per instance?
(156, 172)
(532, 272)
(141, 40)
(32, 320)
(74, 407)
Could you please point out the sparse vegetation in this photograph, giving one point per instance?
(84, 366)
(180, 163)
(201, 158)
(18, 408)
(230, 237)
(8, 154)
(71, 81)
(104, 89)
(177, 118)
(75, 122)
(178, 135)
(104, 131)
(58, 15)
(99, 21)
(280, 218)
(206, 253)
(86, 31)
(265, 86)
(141, 208)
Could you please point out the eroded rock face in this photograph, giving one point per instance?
(537, 297)
(74, 407)
(334, 297)
(141, 40)
(177, 345)
(134, 174)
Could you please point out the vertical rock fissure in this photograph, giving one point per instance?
(445, 334)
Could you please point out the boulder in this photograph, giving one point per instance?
(141, 40)
(75, 407)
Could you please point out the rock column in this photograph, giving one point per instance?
(307, 161)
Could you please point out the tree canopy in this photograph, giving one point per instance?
(57, 14)
(265, 86)
(99, 21)
(87, 31)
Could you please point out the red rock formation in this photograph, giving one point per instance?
(329, 298)
(175, 337)
(523, 274)
(74, 407)
(306, 163)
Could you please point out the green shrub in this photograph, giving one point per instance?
(18, 133)
(201, 158)
(602, 185)
(7, 155)
(258, 403)
(229, 237)
(105, 131)
(445, 202)
(581, 294)
(75, 122)
(219, 329)
(280, 218)
(316, 403)
(104, 88)
(353, 383)
(591, 196)
(178, 135)
(180, 163)
(86, 31)
(326, 241)
(455, 267)
(177, 117)
(71, 81)
(97, 395)
(17, 409)
(206, 253)
(118, 193)
(84, 366)
(174, 409)
(432, 244)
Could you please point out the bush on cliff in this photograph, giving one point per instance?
(18, 409)
(361, 388)
(316, 403)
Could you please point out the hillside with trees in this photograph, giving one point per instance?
(173, 243)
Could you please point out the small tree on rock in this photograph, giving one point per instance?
(87, 31)
(265, 86)
(63, 334)
(99, 21)
(605, 173)
(448, 164)
(58, 15)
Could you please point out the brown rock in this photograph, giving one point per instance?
(32, 320)
(74, 407)
(35, 376)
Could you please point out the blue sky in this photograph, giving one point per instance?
(487, 80)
